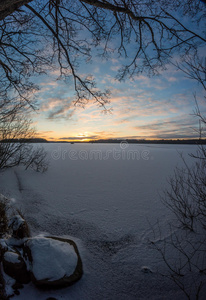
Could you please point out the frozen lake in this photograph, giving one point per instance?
(107, 197)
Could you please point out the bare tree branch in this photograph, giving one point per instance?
(50, 34)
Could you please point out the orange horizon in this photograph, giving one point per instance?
(115, 138)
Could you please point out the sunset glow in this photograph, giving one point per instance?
(160, 107)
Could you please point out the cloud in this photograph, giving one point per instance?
(44, 134)
(172, 79)
(55, 108)
(115, 68)
(61, 112)
(180, 127)
(94, 136)
(79, 138)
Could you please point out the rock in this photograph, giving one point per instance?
(19, 227)
(54, 262)
(15, 267)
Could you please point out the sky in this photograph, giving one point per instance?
(160, 107)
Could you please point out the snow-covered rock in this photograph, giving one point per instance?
(19, 227)
(15, 267)
(3, 246)
(53, 261)
(11, 257)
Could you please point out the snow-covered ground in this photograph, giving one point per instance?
(107, 198)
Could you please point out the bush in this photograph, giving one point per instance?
(15, 149)
(184, 251)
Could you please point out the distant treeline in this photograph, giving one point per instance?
(134, 141)
(110, 141)
(34, 140)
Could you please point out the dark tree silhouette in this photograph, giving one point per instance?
(15, 149)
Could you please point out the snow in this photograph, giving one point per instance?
(11, 257)
(13, 200)
(52, 259)
(15, 222)
(14, 242)
(3, 198)
(3, 244)
(108, 203)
